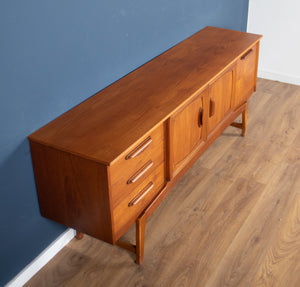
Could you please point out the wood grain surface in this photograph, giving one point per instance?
(232, 220)
(186, 131)
(106, 125)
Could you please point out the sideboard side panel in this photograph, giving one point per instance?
(72, 191)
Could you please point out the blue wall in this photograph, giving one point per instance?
(53, 55)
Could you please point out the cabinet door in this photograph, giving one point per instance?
(186, 132)
(246, 70)
(220, 93)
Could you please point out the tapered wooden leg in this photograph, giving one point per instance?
(138, 249)
(140, 238)
(244, 120)
(79, 235)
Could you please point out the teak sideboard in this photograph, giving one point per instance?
(109, 162)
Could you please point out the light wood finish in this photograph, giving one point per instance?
(110, 161)
(236, 221)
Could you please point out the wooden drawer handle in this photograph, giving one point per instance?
(200, 122)
(139, 149)
(246, 54)
(142, 194)
(140, 172)
(212, 107)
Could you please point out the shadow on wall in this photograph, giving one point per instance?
(20, 218)
(16, 174)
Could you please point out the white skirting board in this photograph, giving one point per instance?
(40, 261)
(270, 75)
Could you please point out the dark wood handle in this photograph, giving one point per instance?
(142, 194)
(140, 172)
(139, 149)
(246, 54)
(212, 107)
(200, 119)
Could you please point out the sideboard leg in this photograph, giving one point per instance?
(244, 120)
(138, 249)
(79, 235)
(243, 125)
(140, 238)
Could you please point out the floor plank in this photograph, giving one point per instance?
(237, 219)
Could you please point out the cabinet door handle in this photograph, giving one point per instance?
(142, 194)
(246, 54)
(200, 120)
(140, 172)
(139, 149)
(212, 107)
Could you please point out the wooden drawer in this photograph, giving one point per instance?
(127, 174)
(126, 213)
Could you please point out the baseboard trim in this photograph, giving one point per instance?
(270, 75)
(41, 260)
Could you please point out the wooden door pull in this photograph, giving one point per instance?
(212, 108)
(246, 54)
(142, 194)
(200, 122)
(140, 172)
(139, 149)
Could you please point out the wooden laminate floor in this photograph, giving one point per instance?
(233, 219)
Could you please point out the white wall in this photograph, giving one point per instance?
(279, 22)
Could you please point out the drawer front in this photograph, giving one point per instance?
(136, 165)
(245, 76)
(127, 212)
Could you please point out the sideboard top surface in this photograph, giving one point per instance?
(104, 126)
